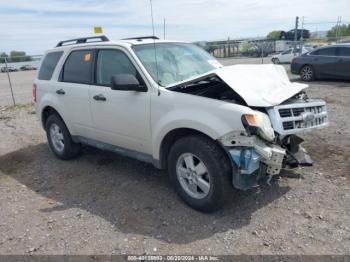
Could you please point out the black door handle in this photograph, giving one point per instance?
(60, 92)
(99, 97)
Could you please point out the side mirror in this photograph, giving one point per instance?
(127, 82)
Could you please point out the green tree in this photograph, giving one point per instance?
(19, 56)
(2, 56)
(343, 30)
(273, 35)
(246, 47)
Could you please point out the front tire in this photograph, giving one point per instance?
(59, 139)
(307, 73)
(200, 172)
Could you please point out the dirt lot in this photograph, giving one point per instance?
(22, 83)
(101, 203)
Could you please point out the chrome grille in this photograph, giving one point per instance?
(298, 116)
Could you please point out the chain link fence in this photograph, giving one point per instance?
(16, 77)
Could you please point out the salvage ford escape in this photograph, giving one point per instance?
(173, 105)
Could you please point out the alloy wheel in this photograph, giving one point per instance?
(57, 137)
(306, 73)
(193, 175)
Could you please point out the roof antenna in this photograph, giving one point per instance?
(154, 45)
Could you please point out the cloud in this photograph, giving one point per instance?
(37, 25)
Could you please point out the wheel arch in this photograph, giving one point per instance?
(171, 137)
(306, 64)
(46, 112)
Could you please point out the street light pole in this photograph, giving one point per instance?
(296, 34)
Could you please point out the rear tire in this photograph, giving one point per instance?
(200, 172)
(59, 139)
(307, 73)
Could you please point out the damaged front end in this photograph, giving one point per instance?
(281, 111)
(265, 147)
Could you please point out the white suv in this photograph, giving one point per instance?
(173, 105)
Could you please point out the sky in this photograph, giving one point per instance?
(34, 26)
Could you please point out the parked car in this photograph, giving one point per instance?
(212, 127)
(27, 67)
(289, 35)
(9, 69)
(256, 52)
(288, 55)
(331, 62)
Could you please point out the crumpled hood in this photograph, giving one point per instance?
(260, 85)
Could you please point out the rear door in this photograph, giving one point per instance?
(324, 61)
(343, 66)
(121, 118)
(72, 91)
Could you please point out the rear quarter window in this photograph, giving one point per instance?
(48, 65)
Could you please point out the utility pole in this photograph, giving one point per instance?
(296, 34)
(337, 29)
(164, 29)
(10, 83)
(302, 35)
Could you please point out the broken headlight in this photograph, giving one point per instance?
(258, 124)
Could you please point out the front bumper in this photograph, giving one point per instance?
(254, 159)
(251, 163)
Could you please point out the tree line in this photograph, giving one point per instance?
(15, 56)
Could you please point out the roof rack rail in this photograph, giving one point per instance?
(83, 40)
(141, 37)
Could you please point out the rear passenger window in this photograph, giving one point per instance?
(48, 65)
(78, 67)
(111, 62)
(329, 51)
(344, 51)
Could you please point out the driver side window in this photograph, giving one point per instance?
(112, 62)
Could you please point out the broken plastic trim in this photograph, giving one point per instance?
(249, 154)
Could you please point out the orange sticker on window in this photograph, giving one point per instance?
(87, 57)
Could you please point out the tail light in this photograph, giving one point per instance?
(34, 93)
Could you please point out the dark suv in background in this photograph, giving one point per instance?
(331, 62)
(289, 35)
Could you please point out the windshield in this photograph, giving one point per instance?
(175, 61)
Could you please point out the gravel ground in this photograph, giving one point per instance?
(22, 82)
(101, 203)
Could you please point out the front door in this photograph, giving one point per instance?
(120, 118)
(325, 62)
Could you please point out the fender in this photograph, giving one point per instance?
(202, 121)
